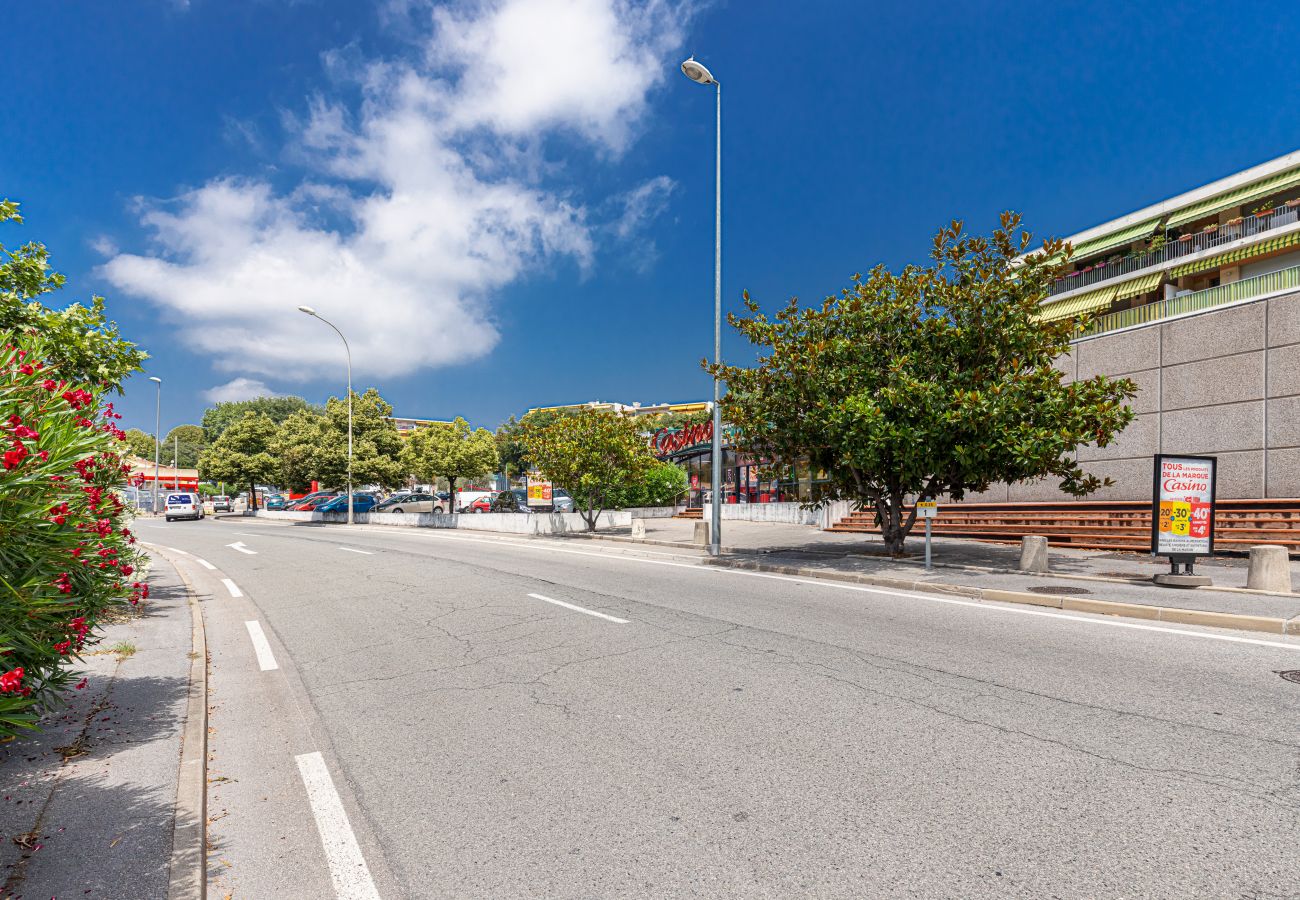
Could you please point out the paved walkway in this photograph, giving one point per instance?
(88, 804)
(1095, 574)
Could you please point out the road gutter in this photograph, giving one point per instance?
(1170, 614)
(188, 867)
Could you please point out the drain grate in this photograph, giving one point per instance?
(1291, 675)
(1063, 590)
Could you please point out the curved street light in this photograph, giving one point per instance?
(157, 426)
(699, 73)
(348, 351)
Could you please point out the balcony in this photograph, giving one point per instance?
(1178, 248)
(1224, 294)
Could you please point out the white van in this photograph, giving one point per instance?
(184, 506)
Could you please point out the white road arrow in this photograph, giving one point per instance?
(239, 545)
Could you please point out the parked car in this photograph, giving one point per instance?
(183, 506)
(360, 503)
(222, 503)
(275, 501)
(479, 505)
(511, 501)
(562, 501)
(474, 501)
(311, 501)
(410, 503)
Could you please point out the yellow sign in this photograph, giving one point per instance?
(539, 493)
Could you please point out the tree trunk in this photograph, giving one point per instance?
(252, 496)
(451, 493)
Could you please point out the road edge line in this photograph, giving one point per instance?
(1171, 614)
(187, 869)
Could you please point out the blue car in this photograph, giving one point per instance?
(360, 503)
(275, 502)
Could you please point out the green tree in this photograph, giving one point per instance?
(313, 446)
(596, 455)
(186, 440)
(661, 485)
(83, 345)
(935, 380)
(139, 443)
(453, 452)
(298, 440)
(219, 417)
(242, 455)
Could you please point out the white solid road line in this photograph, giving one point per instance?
(239, 545)
(204, 563)
(347, 866)
(178, 550)
(590, 612)
(350, 550)
(983, 606)
(232, 587)
(265, 658)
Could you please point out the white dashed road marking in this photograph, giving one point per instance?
(590, 612)
(204, 563)
(350, 550)
(265, 658)
(347, 866)
(232, 587)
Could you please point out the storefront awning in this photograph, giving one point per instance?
(1110, 241)
(1223, 259)
(1138, 286)
(1075, 306)
(1246, 194)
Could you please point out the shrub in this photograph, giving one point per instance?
(66, 554)
(661, 485)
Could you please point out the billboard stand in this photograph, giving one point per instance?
(1182, 516)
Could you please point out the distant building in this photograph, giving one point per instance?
(635, 409)
(405, 426)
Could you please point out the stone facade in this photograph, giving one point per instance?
(1222, 383)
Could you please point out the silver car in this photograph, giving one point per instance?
(411, 503)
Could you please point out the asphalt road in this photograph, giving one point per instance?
(715, 733)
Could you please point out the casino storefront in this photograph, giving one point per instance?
(742, 480)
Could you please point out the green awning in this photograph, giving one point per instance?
(1241, 195)
(1138, 286)
(1074, 306)
(1110, 241)
(1223, 259)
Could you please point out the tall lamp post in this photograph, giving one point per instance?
(348, 351)
(696, 72)
(157, 427)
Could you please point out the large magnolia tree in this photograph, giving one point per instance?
(242, 455)
(934, 380)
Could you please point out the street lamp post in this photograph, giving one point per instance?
(348, 351)
(157, 427)
(696, 72)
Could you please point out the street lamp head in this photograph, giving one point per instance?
(155, 379)
(696, 72)
(307, 309)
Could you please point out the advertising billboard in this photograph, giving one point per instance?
(539, 493)
(1182, 506)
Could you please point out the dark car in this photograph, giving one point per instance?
(511, 501)
(360, 503)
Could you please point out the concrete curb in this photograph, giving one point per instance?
(188, 877)
(1168, 614)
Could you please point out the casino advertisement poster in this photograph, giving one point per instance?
(1182, 506)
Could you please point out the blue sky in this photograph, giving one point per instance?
(509, 204)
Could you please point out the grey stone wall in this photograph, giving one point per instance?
(1223, 383)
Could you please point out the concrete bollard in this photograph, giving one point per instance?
(701, 534)
(638, 529)
(1270, 569)
(1033, 553)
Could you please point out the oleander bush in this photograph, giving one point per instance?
(67, 556)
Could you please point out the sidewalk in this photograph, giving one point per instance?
(978, 566)
(88, 805)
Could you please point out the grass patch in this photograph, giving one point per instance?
(123, 649)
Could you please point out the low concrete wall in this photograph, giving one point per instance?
(652, 512)
(509, 523)
(783, 513)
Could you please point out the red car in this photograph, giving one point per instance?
(307, 504)
(481, 505)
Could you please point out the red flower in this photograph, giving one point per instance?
(15, 420)
(22, 431)
(49, 385)
(63, 647)
(11, 680)
(26, 370)
(81, 684)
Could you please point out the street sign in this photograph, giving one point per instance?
(927, 509)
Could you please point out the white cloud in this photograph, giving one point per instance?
(238, 389)
(419, 203)
(103, 245)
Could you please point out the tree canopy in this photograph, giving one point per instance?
(313, 446)
(139, 443)
(454, 452)
(242, 455)
(82, 344)
(936, 380)
(598, 456)
(186, 440)
(219, 417)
